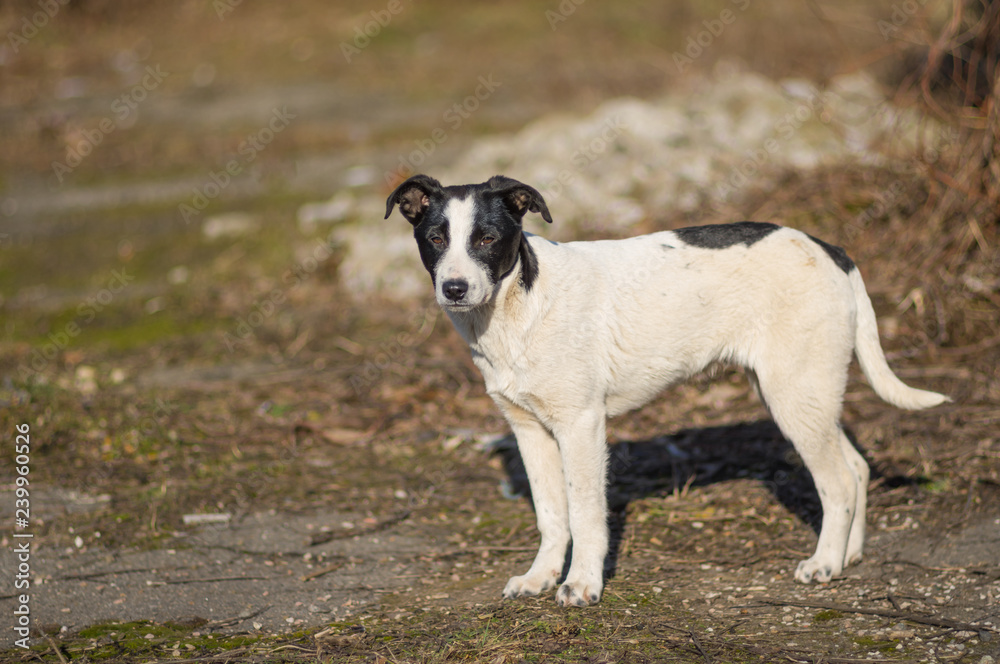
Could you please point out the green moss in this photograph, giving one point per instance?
(828, 615)
(884, 647)
(936, 486)
(143, 638)
(143, 332)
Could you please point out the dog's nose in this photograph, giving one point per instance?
(455, 289)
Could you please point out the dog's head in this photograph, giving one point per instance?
(469, 236)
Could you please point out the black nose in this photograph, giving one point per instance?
(455, 289)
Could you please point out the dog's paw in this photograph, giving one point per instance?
(529, 585)
(578, 594)
(813, 570)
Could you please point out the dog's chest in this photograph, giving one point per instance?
(507, 363)
(503, 366)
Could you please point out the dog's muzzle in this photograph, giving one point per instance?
(455, 289)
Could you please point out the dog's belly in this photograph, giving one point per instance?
(623, 402)
(639, 379)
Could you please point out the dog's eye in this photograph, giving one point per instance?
(437, 240)
(488, 239)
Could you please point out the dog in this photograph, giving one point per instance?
(569, 334)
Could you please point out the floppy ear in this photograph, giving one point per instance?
(413, 197)
(519, 196)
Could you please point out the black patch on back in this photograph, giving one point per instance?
(722, 236)
(839, 256)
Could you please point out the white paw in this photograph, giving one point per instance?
(819, 571)
(529, 585)
(579, 594)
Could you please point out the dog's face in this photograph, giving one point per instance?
(469, 236)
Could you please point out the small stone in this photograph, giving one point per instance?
(228, 225)
(901, 631)
(85, 379)
(178, 275)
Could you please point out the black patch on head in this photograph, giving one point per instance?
(529, 263)
(497, 243)
(722, 236)
(519, 196)
(838, 255)
(494, 218)
(413, 197)
(432, 224)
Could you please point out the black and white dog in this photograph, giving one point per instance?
(569, 334)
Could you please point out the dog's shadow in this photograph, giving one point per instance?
(667, 464)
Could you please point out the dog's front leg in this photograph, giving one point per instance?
(584, 453)
(540, 454)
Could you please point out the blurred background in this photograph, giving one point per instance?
(203, 310)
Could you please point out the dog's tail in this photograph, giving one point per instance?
(872, 359)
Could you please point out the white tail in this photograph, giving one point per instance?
(872, 359)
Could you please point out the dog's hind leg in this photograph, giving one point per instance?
(805, 401)
(543, 463)
(856, 540)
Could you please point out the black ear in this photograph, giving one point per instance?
(519, 196)
(413, 197)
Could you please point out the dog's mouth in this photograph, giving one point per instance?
(458, 306)
(462, 305)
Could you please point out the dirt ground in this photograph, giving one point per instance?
(233, 459)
